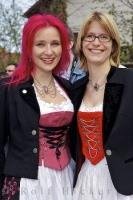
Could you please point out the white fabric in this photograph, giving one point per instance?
(51, 184)
(46, 107)
(86, 108)
(94, 181)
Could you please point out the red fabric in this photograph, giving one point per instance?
(90, 130)
(47, 154)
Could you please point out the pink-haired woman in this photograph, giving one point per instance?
(36, 114)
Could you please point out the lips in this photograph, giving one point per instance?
(47, 60)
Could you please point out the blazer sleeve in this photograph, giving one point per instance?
(3, 130)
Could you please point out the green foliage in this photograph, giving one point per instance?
(59, 8)
(126, 54)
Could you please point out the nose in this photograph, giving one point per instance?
(48, 49)
(96, 41)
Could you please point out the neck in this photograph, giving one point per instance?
(42, 77)
(98, 73)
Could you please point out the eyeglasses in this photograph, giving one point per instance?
(101, 38)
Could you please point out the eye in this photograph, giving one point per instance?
(90, 36)
(55, 43)
(104, 37)
(40, 44)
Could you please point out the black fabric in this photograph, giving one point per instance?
(117, 126)
(19, 116)
(56, 137)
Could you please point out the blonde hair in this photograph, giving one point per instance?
(110, 26)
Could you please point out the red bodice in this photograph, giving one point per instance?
(53, 139)
(90, 130)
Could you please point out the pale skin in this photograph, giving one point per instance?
(46, 54)
(10, 69)
(98, 64)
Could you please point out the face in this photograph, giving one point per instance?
(10, 69)
(97, 52)
(47, 49)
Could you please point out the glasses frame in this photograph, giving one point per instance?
(99, 37)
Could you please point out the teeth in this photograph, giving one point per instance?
(96, 50)
(47, 59)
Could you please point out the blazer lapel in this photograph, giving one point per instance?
(112, 100)
(27, 92)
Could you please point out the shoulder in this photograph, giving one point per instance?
(123, 75)
(63, 82)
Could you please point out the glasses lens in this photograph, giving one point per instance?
(101, 38)
(104, 38)
(89, 38)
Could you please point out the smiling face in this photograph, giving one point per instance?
(47, 49)
(97, 52)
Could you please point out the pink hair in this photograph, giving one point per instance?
(34, 23)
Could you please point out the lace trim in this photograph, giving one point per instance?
(86, 108)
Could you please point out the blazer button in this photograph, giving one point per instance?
(33, 132)
(108, 152)
(24, 91)
(35, 150)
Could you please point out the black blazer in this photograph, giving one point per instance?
(117, 126)
(19, 120)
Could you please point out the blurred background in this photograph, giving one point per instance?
(14, 13)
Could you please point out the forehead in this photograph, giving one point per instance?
(95, 27)
(47, 33)
(10, 67)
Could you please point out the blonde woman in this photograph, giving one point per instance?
(103, 101)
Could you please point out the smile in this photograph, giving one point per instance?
(96, 50)
(47, 60)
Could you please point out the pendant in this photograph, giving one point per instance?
(45, 89)
(96, 87)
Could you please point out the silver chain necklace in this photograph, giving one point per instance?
(97, 86)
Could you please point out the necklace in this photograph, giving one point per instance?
(96, 86)
(44, 90)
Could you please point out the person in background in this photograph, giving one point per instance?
(103, 102)
(74, 72)
(36, 115)
(10, 68)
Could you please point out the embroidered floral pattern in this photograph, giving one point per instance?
(10, 188)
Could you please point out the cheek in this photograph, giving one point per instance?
(110, 50)
(34, 52)
(59, 53)
(84, 50)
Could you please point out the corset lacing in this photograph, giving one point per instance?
(56, 137)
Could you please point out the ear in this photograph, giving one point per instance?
(71, 44)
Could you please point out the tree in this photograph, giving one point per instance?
(124, 19)
(128, 3)
(10, 26)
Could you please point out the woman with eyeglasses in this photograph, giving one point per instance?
(103, 102)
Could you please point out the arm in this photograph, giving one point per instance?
(3, 132)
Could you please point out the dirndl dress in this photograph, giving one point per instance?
(55, 174)
(94, 180)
